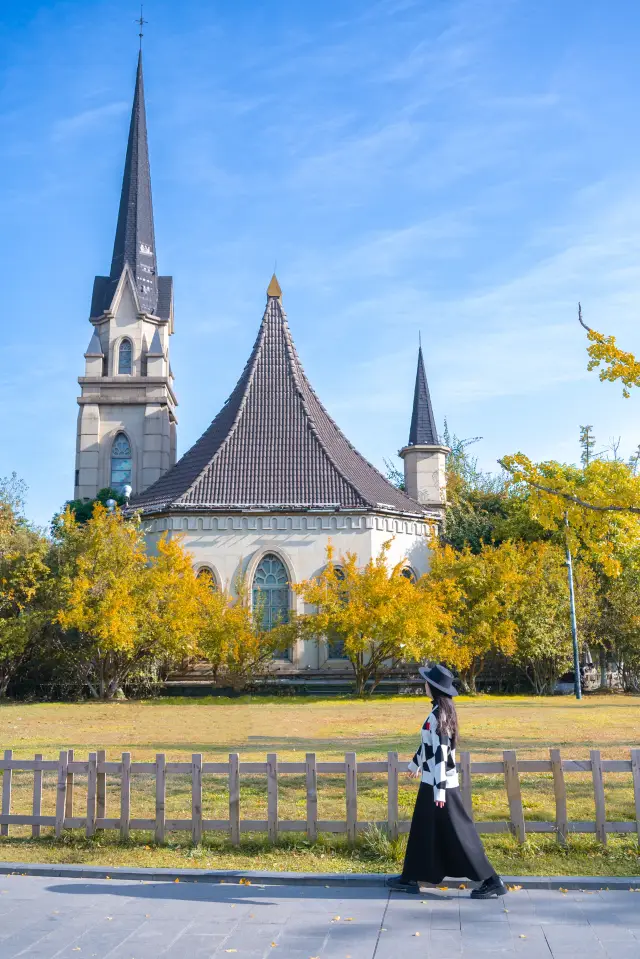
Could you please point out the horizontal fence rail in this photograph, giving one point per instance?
(93, 773)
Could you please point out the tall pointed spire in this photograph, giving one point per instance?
(423, 430)
(135, 241)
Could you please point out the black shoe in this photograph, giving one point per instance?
(402, 885)
(491, 887)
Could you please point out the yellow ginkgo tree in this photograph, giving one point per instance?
(120, 609)
(381, 617)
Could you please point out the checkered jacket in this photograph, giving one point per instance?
(436, 757)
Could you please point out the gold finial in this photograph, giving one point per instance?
(274, 288)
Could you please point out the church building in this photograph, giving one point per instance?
(273, 480)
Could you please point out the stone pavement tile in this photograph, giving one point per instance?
(622, 950)
(101, 937)
(476, 911)
(567, 942)
(614, 931)
(445, 943)
(487, 935)
(56, 936)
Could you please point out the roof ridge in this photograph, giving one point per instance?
(297, 372)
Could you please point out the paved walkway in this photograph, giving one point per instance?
(49, 918)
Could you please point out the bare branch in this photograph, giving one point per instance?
(571, 498)
(581, 321)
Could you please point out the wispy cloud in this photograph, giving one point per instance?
(87, 120)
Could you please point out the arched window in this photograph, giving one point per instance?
(121, 463)
(207, 575)
(409, 574)
(335, 645)
(271, 595)
(125, 357)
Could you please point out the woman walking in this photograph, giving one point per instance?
(443, 840)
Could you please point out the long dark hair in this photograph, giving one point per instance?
(447, 715)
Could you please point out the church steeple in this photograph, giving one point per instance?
(423, 431)
(127, 399)
(135, 243)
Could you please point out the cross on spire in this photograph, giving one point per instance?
(141, 22)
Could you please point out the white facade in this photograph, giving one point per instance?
(230, 546)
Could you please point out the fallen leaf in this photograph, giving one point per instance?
(416, 933)
(562, 889)
(462, 886)
(514, 888)
(348, 918)
(273, 945)
(522, 936)
(176, 880)
(336, 919)
(443, 887)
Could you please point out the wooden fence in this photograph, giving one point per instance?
(95, 770)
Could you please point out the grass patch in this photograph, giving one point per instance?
(291, 727)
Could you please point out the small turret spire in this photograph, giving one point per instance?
(135, 240)
(423, 430)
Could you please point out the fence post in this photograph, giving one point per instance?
(514, 794)
(560, 794)
(196, 799)
(161, 792)
(234, 798)
(598, 788)
(312, 797)
(6, 792)
(61, 791)
(68, 806)
(465, 782)
(351, 775)
(635, 769)
(125, 796)
(272, 797)
(101, 787)
(92, 778)
(392, 795)
(36, 806)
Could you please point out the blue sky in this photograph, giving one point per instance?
(467, 168)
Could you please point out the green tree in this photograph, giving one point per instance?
(82, 509)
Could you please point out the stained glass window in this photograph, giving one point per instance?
(125, 357)
(121, 463)
(271, 595)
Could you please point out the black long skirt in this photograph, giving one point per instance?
(443, 841)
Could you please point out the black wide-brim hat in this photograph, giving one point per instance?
(440, 678)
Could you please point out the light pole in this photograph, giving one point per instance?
(572, 604)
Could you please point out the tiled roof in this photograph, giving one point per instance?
(423, 431)
(273, 446)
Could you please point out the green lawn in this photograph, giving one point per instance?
(291, 727)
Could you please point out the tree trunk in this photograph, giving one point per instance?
(603, 668)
